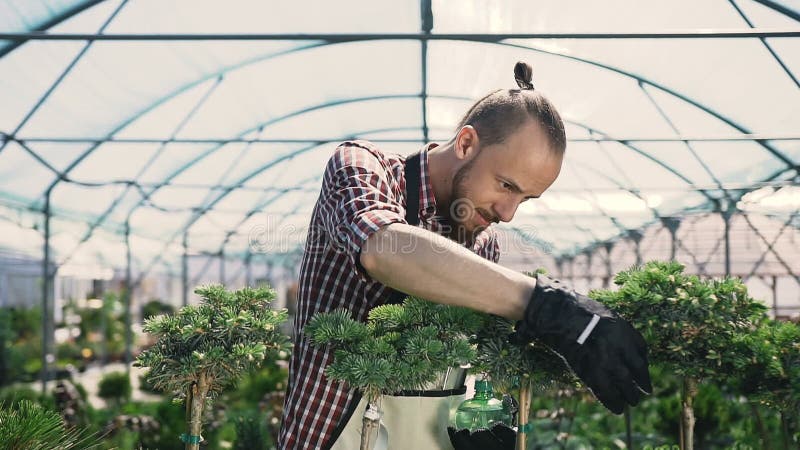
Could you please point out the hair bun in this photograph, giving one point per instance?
(523, 73)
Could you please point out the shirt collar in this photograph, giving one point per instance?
(427, 201)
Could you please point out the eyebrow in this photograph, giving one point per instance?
(516, 187)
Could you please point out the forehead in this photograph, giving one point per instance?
(526, 157)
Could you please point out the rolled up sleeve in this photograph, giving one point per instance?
(488, 246)
(359, 197)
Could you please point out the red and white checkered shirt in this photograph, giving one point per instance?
(363, 189)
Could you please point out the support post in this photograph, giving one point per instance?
(128, 296)
(185, 271)
(609, 246)
(672, 224)
(47, 283)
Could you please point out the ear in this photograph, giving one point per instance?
(467, 141)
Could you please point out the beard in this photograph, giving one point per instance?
(462, 210)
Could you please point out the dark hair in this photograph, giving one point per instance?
(501, 112)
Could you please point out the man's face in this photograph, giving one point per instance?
(498, 178)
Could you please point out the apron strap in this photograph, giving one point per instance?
(412, 170)
(412, 173)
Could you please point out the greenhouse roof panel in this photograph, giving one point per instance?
(198, 137)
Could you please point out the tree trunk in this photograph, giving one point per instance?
(195, 402)
(785, 433)
(687, 413)
(523, 427)
(762, 430)
(370, 425)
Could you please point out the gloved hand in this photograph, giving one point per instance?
(603, 350)
(499, 437)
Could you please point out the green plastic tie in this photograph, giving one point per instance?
(191, 438)
(526, 428)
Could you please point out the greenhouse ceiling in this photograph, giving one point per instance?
(202, 126)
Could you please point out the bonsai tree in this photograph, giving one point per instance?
(115, 388)
(203, 349)
(767, 367)
(401, 347)
(512, 366)
(689, 324)
(30, 426)
(407, 346)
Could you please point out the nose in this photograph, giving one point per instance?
(505, 210)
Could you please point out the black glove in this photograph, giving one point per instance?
(499, 437)
(603, 350)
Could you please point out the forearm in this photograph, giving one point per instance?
(424, 264)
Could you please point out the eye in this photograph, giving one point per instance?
(506, 186)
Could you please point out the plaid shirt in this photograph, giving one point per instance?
(362, 191)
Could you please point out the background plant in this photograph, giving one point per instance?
(20, 344)
(115, 388)
(766, 364)
(689, 324)
(203, 349)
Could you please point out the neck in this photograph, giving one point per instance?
(441, 163)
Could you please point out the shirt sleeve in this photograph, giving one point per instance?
(358, 198)
(489, 246)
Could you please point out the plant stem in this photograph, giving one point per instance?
(688, 393)
(188, 401)
(370, 424)
(761, 428)
(522, 418)
(785, 430)
(199, 391)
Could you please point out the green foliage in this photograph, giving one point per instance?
(115, 387)
(155, 308)
(101, 331)
(146, 386)
(30, 426)
(171, 418)
(407, 346)
(688, 323)
(20, 344)
(26, 322)
(337, 329)
(11, 396)
(7, 337)
(509, 364)
(256, 384)
(226, 335)
(401, 347)
(712, 329)
(251, 432)
(566, 418)
(767, 365)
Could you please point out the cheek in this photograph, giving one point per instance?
(478, 193)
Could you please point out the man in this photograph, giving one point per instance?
(365, 249)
